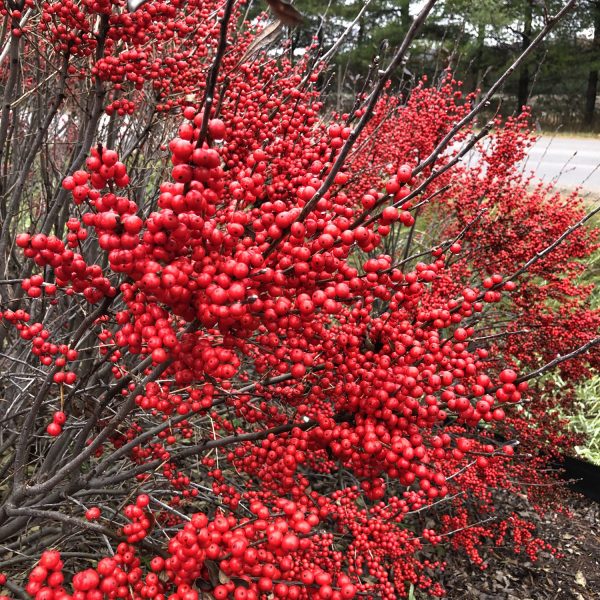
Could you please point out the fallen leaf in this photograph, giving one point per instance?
(268, 35)
(285, 12)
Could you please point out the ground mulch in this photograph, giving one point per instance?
(576, 576)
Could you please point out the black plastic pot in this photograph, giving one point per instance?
(586, 477)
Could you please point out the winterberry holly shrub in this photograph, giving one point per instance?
(256, 349)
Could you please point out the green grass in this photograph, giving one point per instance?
(562, 133)
(585, 416)
(587, 419)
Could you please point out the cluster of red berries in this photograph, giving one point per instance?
(59, 418)
(258, 551)
(104, 167)
(47, 352)
(297, 338)
(33, 286)
(70, 269)
(121, 107)
(111, 578)
(141, 520)
(172, 75)
(46, 579)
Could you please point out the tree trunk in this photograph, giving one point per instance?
(405, 14)
(523, 86)
(592, 83)
(477, 71)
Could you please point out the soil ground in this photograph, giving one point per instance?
(576, 576)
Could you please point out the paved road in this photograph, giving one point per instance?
(569, 162)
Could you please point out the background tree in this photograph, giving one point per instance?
(477, 40)
(594, 65)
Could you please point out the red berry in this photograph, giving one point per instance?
(54, 429)
(92, 513)
(403, 174)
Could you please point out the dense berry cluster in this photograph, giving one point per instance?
(276, 372)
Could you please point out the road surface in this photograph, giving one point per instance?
(569, 162)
